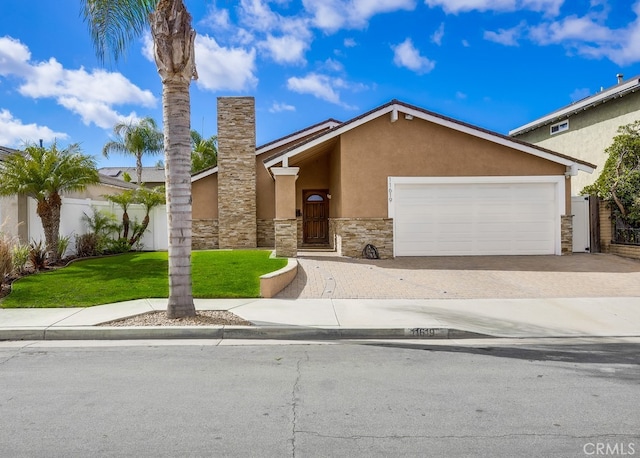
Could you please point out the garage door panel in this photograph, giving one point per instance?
(441, 219)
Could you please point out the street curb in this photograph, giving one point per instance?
(231, 332)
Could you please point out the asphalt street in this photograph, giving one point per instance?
(405, 398)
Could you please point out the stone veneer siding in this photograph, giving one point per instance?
(566, 235)
(266, 233)
(286, 238)
(353, 234)
(204, 234)
(237, 172)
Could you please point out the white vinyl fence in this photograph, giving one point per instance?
(71, 223)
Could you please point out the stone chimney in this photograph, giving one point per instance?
(237, 225)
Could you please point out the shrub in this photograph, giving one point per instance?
(87, 245)
(20, 257)
(117, 246)
(38, 255)
(63, 244)
(103, 224)
(6, 261)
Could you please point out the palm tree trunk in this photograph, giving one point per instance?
(49, 212)
(139, 167)
(173, 39)
(178, 168)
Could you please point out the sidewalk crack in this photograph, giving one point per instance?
(294, 404)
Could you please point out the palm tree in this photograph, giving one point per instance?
(149, 198)
(124, 200)
(115, 23)
(204, 153)
(44, 174)
(137, 138)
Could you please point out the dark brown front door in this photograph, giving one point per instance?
(315, 217)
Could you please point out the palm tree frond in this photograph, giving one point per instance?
(113, 24)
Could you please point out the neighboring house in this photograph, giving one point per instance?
(151, 176)
(584, 129)
(406, 180)
(15, 211)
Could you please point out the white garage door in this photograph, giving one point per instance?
(450, 219)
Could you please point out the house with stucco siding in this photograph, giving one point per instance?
(406, 180)
(584, 129)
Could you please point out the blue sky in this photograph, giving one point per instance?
(497, 64)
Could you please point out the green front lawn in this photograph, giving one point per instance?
(216, 274)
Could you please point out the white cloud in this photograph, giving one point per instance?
(465, 43)
(322, 87)
(587, 36)
(257, 15)
(14, 133)
(461, 95)
(14, 57)
(286, 49)
(333, 65)
(280, 107)
(548, 7)
(507, 37)
(349, 43)
(569, 29)
(92, 95)
(406, 55)
(332, 15)
(224, 68)
(438, 34)
(147, 47)
(216, 19)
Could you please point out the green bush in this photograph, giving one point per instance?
(38, 255)
(20, 257)
(6, 261)
(87, 245)
(63, 244)
(117, 246)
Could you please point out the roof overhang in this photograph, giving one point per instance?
(328, 124)
(204, 174)
(409, 112)
(614, 92)
(292, 138)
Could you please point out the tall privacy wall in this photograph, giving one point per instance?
(236, 173)
(71, 222)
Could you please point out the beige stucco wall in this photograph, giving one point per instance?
(204, 194)
(590, 133)
(205, 190)
(265, 195)
(314, 174)
(372, 152)
(204, 197)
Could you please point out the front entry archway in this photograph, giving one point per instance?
(315, 217)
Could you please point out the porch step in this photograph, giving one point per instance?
(316, 248)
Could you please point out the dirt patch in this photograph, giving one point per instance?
(202, 318)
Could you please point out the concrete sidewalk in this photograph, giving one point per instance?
(322, 319)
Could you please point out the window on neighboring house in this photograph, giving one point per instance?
(559, 127)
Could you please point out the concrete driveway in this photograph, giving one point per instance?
(325, 275)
